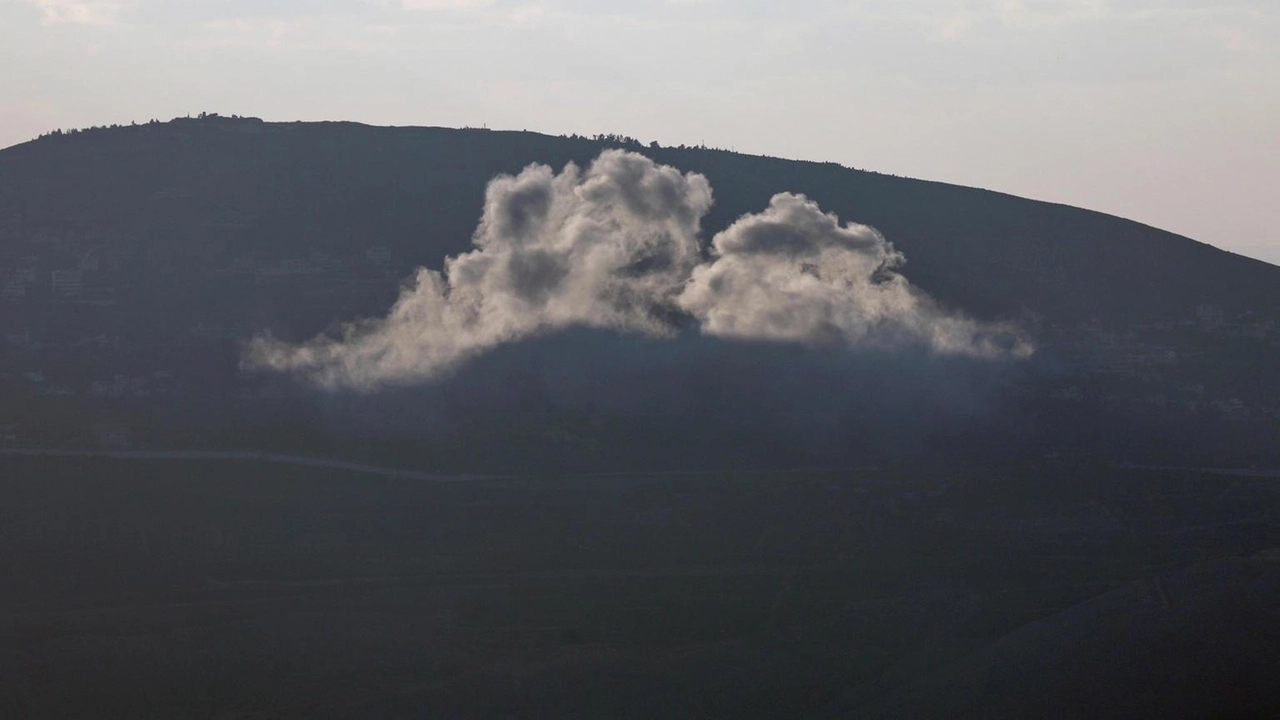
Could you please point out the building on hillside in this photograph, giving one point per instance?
(67, 283)
(23, 340)
(119, 387)
(12, 284)
(103, 296)
(89, 261)
(113, 437)
(1210, 317)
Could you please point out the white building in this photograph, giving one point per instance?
(12, 284)
(68, 283)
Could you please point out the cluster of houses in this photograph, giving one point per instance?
(376, 260)
(1130, 351)
(1153, 354)
(108, 436)
(72, 282)
(1098, 349)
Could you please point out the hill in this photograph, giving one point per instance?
(137, 261)
(224, 187)
(605, 523)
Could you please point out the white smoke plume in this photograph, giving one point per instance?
(617, 246)
(792, 273)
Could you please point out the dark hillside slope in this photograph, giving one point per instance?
(136, 261)
(199, 191)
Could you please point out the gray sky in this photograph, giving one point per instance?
(1164, 111)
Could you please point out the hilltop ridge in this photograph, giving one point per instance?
(296, 187)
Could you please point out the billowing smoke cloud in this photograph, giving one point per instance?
(617, 247)
(606, 248)
(793, 273)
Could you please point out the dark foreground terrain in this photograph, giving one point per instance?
(237, 589)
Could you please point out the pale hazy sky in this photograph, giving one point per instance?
(1164, 111)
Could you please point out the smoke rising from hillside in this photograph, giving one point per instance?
(792, 273)
(617, 246)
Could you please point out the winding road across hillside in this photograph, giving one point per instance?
(226, 455)
(400, 473)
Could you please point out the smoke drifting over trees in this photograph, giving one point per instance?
(617, 246)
